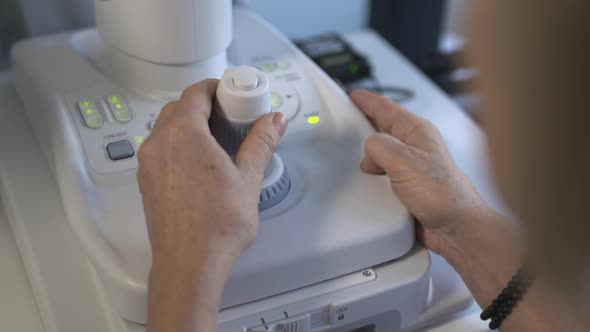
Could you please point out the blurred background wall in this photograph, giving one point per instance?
(304, 18)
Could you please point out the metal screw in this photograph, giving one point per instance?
(367, 273)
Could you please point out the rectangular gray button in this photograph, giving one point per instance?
(120, 150)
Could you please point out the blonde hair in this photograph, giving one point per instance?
(537, 54)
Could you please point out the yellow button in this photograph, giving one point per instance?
(313, 119)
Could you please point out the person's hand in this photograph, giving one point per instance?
(411, 151)
(199, 202)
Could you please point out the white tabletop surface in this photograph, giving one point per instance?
(18, 311)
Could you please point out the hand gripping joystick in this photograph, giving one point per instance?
(243, 97)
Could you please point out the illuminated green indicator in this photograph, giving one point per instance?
(114, 99)
(313, 119)
(275, 101)
(90, 115)
(139, 139)
(120, 109)
(267, 67)
(353, 68)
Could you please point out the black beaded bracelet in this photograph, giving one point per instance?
(503, 305)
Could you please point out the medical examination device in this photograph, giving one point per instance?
(336, 249)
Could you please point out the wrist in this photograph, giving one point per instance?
(457, 241)
(486, 251)
(193, 267)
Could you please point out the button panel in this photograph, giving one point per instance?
(119, 108)
(90, 114)
(113, 123)
(120, 150)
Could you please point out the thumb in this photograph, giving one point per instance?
(382, 152)
(259, 146)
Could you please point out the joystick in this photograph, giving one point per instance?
(243, 97)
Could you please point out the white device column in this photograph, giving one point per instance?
(160, 47)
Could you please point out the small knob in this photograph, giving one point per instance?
(246, 80)
(243, 97)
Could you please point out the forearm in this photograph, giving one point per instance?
(487, 252)
(188, 299)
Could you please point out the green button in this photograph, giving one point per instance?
(115, 99)
(267, 67)
(120, 109)
(90, 114)
(139, 140)
(85, 103)
(275, 101)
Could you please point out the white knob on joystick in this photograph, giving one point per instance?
(243, 97)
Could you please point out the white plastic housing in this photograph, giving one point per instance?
(340, 220)
(166, 32)
(158, 48)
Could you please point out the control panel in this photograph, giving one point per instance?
(113, 124)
